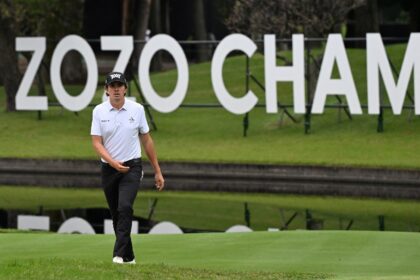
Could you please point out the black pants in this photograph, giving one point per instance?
(120, 191)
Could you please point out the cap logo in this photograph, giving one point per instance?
(113, 76)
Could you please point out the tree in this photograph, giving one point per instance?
(50, 18)
(55, 19)
(314, 18)
(200, 31)
(135, 22)
(142, 14)
(156, 28)
(366, 18)
(413, 8)
(10, 75)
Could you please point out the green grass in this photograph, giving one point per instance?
(219, 211)
(214, 135)
(74, 269)
(258, 255)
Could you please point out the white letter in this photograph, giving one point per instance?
(74, 103)
(377, 60)
(172, 102)
(118, 43)
(345, 85)
(227, 45)
(295, 73)
(23, 101)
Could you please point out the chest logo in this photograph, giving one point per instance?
(131, 119)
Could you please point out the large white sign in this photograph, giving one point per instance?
(335, 54)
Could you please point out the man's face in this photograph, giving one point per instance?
(116, 91)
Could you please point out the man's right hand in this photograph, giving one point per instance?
(118, 165)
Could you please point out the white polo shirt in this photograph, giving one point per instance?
(120, 129)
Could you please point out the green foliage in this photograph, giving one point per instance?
(283, 18)
(50, 18)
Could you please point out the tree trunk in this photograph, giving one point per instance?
(156, 28)
(414, 16)
(9, 72)
(142, 13)
(167, 17)
(366, 19)
(200, 32)
(125, 24)
(125, 17)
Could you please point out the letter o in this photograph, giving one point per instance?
(77, 43)
(172, 102)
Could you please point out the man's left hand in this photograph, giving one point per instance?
(159, 181)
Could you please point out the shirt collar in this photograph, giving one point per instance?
(110, 108)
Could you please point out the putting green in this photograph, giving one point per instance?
(271, 255)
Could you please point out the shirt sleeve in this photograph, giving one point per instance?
(95, 128)
(143, 126)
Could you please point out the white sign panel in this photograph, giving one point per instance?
(335, 54)
(23, 101)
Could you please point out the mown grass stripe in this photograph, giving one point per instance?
(275, 255)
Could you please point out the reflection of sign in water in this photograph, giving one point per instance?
(72, 225)
(335, 54)
(79, 225)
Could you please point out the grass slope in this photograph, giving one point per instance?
(219, 211)
(258, 255)
(215, 135)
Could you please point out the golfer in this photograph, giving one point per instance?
(118, 127)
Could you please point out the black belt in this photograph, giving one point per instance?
(127, 163)
(132, 161)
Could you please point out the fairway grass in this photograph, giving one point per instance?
(73, 269)
(257, 255)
